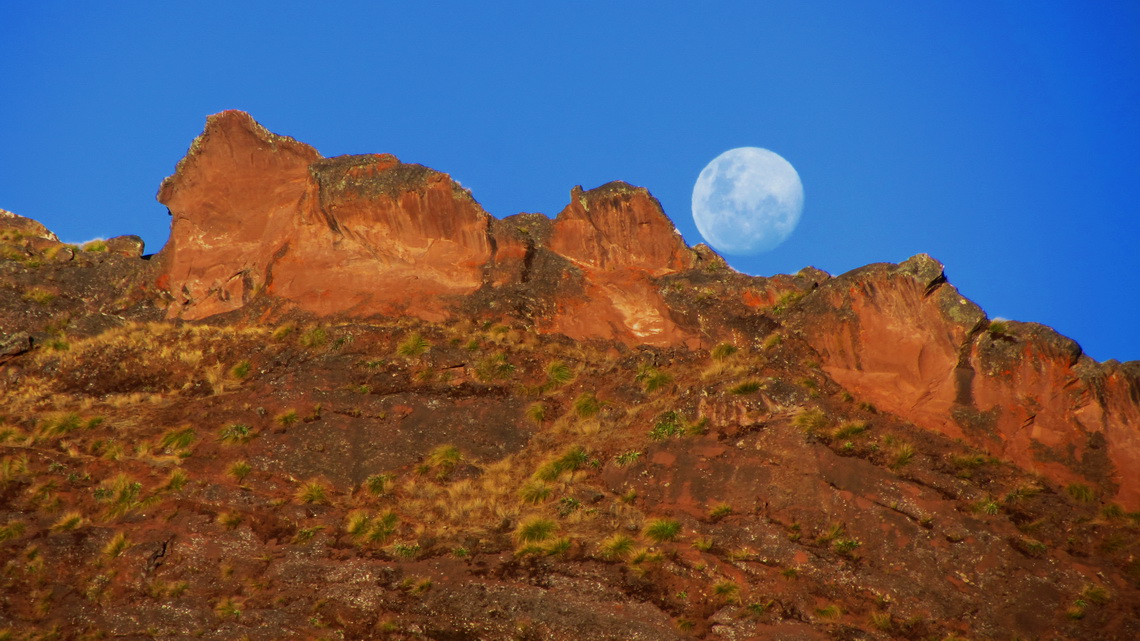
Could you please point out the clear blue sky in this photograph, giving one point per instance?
(1001, 138)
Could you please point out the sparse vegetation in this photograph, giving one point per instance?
(313, 491)
(663, 530)
(413, 346)
(723, 351)
(535, 529)
(746, 387)
(235, 434)
(587, 405)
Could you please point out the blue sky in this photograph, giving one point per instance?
(1003, 138)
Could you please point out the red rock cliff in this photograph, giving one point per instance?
(905, 339)
(254, 212)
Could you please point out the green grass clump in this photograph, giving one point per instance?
(96, 246)
(1081, 492)
(493, 368)
(627, 458)
(617, 547)
(413, 346)
(288, 418)
(235, 434)
(12, 530)
(663, 530)
(239, 470)
(571, 460)
(810, 420)
(902, 455)
(378, 484)
(178, 440)
(313, 492)
(720, 511)
(746, 387)
(999, 327)
(559, 373)
(668, 425)
(535, 530)
(535, 491)
(536, 412)
(652, 378)
(443, 459)
(587, 405)
(241, 370)
(61, 425)
(849, 429)
(723, 351)
(69, 522)
(727, 591)
(315, 337)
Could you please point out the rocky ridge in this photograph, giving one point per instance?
(344, 401)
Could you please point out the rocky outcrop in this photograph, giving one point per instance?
(256, 213)
(13, 226)
(620, 239)
(903, 338)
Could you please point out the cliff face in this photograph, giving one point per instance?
(904, 338)
(405, 417)
(254, 212)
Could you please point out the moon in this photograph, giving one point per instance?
(747, 201)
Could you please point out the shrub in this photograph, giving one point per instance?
(663, 530)
(535, 529)
(412, 346)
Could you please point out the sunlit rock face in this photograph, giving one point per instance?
(903, 337)
(263, 222)
(256, 213)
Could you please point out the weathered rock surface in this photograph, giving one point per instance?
(903, 337)
(254, 212)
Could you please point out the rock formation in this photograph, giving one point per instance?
(344, 401)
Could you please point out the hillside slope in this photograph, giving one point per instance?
(344, 402)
